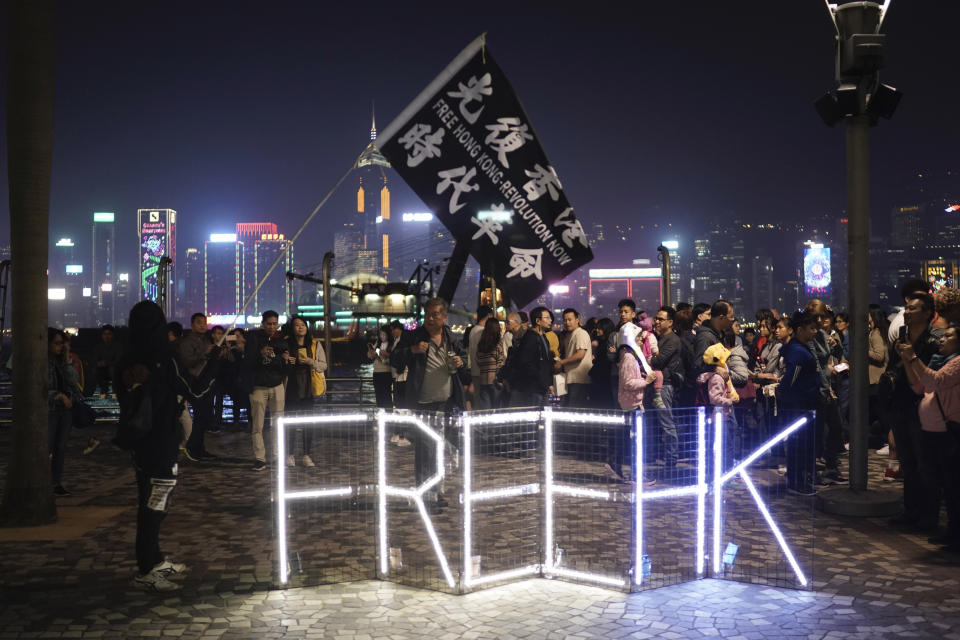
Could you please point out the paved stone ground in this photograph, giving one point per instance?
(870, 581)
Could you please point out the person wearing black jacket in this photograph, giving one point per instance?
(669, 361)
(920, 509)
(710, 332)
(436, 373)
(268, 356)
(531, 366)
(150, 361)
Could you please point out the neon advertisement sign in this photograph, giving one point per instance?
(553, 490)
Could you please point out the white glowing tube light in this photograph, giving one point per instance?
(766, 446)
(717, 493)
(702, 483)
(638, 502)
(506, 492)
(773, 527)
(580, 492)
(283, 496)
(501, 418)
(319, 493)
(416, 494)
(548, 492)
(674, 492)
(591, 418)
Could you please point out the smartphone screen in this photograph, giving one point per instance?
(903, 333)
(843, 366)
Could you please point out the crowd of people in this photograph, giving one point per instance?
(689, 355)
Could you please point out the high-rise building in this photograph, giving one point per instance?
(157, 237)
(276, 292)
(190, 286)
(761, 284)
(249, 233)
(103, 251)
(700, 282)
(678, 288)
(906, 229)
(373, 210)
(223, 270)
(347, 244)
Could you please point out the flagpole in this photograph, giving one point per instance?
(421, 100)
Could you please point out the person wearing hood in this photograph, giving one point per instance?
(149, 362)
(634, 374)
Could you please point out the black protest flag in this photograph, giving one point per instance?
(467, 148)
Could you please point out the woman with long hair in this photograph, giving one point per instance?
(304, 357)
(878, 357)
(149, 362)
(490, 357)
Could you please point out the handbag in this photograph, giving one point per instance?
(318, 382)
(84, 415)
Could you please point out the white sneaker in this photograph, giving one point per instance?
(308, 461)
(781, 469)
(168, 568)
(291, 460)
(884, 450)
(395, 438)
(154, 581)
(402, 442)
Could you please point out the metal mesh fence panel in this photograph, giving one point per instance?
(762, 502)
(588, 510)
(502, 496)
(672, 490)
(325, 511)
(419, 516)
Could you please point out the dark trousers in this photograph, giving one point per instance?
(942, 475)
(665, 437)
(383, 389)
(154, 491)
(829, 432)
(59, 422)
(104, 379)
(618, 439)
(577, 395)
(527, 399)
(919, 504)
(425, 447)
(801, 450)
(202, 419)
(485, 396)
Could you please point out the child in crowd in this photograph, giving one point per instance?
(648, 345)
(719, 391)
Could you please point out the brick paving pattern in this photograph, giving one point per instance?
(870, 580)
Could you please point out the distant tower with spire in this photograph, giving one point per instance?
(364, 244)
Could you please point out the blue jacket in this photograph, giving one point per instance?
(800, 386)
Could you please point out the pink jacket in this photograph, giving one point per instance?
(946, 384)
(632, 382)
(716, 389)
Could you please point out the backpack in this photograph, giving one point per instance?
(136, 417)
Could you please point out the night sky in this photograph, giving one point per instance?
(693, 111)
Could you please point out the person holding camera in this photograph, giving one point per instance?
(266, 355)
(919, 508)
(939, 412)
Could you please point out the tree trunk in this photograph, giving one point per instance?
(28, 496)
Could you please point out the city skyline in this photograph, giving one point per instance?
(256, 112)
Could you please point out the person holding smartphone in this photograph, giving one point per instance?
(919, 507)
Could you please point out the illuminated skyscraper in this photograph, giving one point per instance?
(102, 263)
(373, 210)
(276, 293)
(190, 298)
(157, 237)
(249, 233)
(222, 275)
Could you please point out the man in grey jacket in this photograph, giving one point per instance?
(196, 349)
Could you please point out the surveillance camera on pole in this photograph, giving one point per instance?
(859, 99)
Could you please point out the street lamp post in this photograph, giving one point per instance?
(860, 99)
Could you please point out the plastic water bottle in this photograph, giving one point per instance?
(645, 566)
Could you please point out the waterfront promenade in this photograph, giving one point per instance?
(72, 579)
